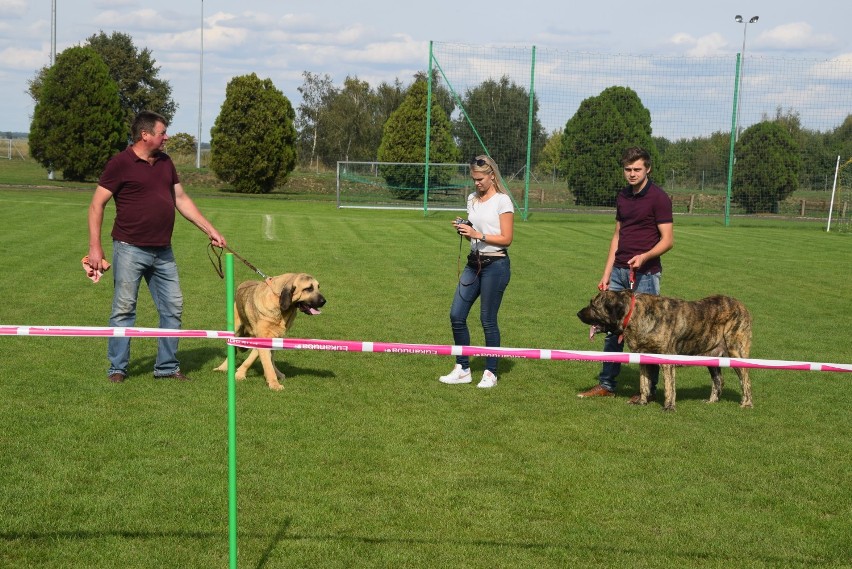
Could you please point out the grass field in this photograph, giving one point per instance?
(366, 460)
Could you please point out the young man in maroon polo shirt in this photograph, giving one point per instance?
(143, 183)
(643, 232)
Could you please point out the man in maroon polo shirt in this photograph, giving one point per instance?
(643, 232)
(143, 183)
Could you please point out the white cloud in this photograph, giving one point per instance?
(13, 8)
(145, 19)
(795, 36)
(23, 59)
(103, 4)
(402, 49)
(836, 69)
(711, 44)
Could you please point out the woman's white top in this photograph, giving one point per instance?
(485, 217)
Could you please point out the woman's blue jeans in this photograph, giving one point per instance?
(488, 285)
(620, 280)
(157, 266)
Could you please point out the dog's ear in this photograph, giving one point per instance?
(614, 303)
(285, 298)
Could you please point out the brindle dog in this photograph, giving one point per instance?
(717, 326)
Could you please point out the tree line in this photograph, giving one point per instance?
(85, 102)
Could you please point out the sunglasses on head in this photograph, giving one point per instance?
(479, 162)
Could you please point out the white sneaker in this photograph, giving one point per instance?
(488, 380)
(458, 375)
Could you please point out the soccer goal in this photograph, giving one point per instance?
(6, 148)
(840, 213)
(400, 185)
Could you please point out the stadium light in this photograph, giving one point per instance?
(739, 19)
(52, 52)
(200, 83)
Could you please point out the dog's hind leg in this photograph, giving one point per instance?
(668, 372)
(717, 383)
(278, 373)
(745, 385)
(741, 349)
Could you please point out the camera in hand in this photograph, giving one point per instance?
(462, 221)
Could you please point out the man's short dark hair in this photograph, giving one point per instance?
(634, 153)
(145, 120)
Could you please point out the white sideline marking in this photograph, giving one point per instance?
(269, 227)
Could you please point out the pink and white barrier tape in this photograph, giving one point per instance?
(536, 354)
(92, 331)
(417, 349)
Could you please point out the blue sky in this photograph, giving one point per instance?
(379, 40)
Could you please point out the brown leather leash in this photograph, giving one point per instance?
(217, 264)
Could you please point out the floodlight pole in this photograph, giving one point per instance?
(739, 19)
(53, 33)
(52, 52)
(200, 83)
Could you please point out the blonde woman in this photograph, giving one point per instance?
(489, 228)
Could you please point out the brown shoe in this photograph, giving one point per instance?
(116, 377)
(597, 391)
(176, 375)
(635, 399)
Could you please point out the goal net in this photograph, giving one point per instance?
(399, 185)
(840, 219)
(6, 148)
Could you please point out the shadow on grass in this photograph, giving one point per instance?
(281, 536)
(206, 358)
(595, 551)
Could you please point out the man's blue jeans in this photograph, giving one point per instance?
(488, 286)
(157, 266)
(620, 280)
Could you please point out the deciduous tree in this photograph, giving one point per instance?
(316, 93)
(499, 113)
(135, 73)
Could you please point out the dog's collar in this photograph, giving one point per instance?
(268, 281)
(626, 320)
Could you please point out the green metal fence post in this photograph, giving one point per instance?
(734, 127)
(529, 137)
(428, 135)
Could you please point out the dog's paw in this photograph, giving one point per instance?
(275, 386)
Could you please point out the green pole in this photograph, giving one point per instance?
(428, 134)
(734, 127)
(529, 137)
(232, 413)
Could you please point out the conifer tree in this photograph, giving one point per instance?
(253, 140)
(77, 123)
(404, 140)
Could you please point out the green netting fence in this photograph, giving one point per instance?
(701, 109)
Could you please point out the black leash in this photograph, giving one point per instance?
(217, 264)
